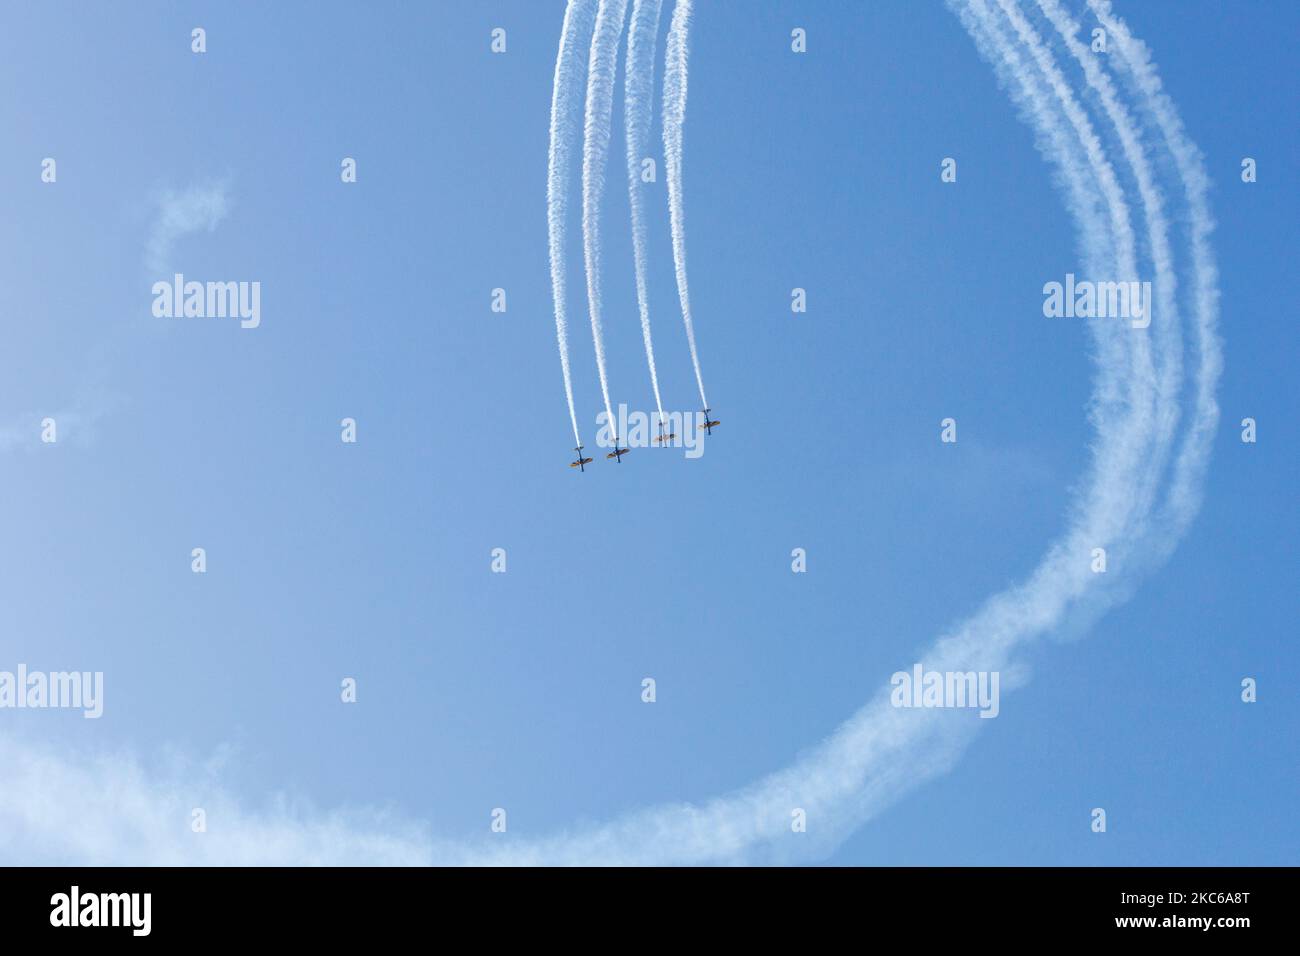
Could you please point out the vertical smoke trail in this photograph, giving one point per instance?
(638, 93)
(595, 149)
(577, 23)
(675, 57)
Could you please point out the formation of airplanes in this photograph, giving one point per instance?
(617, 454)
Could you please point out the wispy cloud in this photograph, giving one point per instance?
(62, 808)
(198, 207)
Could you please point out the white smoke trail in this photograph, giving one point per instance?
(601, 66)
(1102, 251)
(1165, 320)
(675, 59)
(1134, 59)
(1141, 480)
(1155, 396)
(577, 24)
(638, 93)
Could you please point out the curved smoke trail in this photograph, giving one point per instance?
(638, 93)
(595, 150)
(675, 78)
(1152, 423)
(1134, 60)
(1165, 322)
(577, 24)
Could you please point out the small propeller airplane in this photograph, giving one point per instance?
(708, 425)
(662, 437)
(581, 463)
(618, 453)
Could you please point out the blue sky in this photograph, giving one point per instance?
(522, 690)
